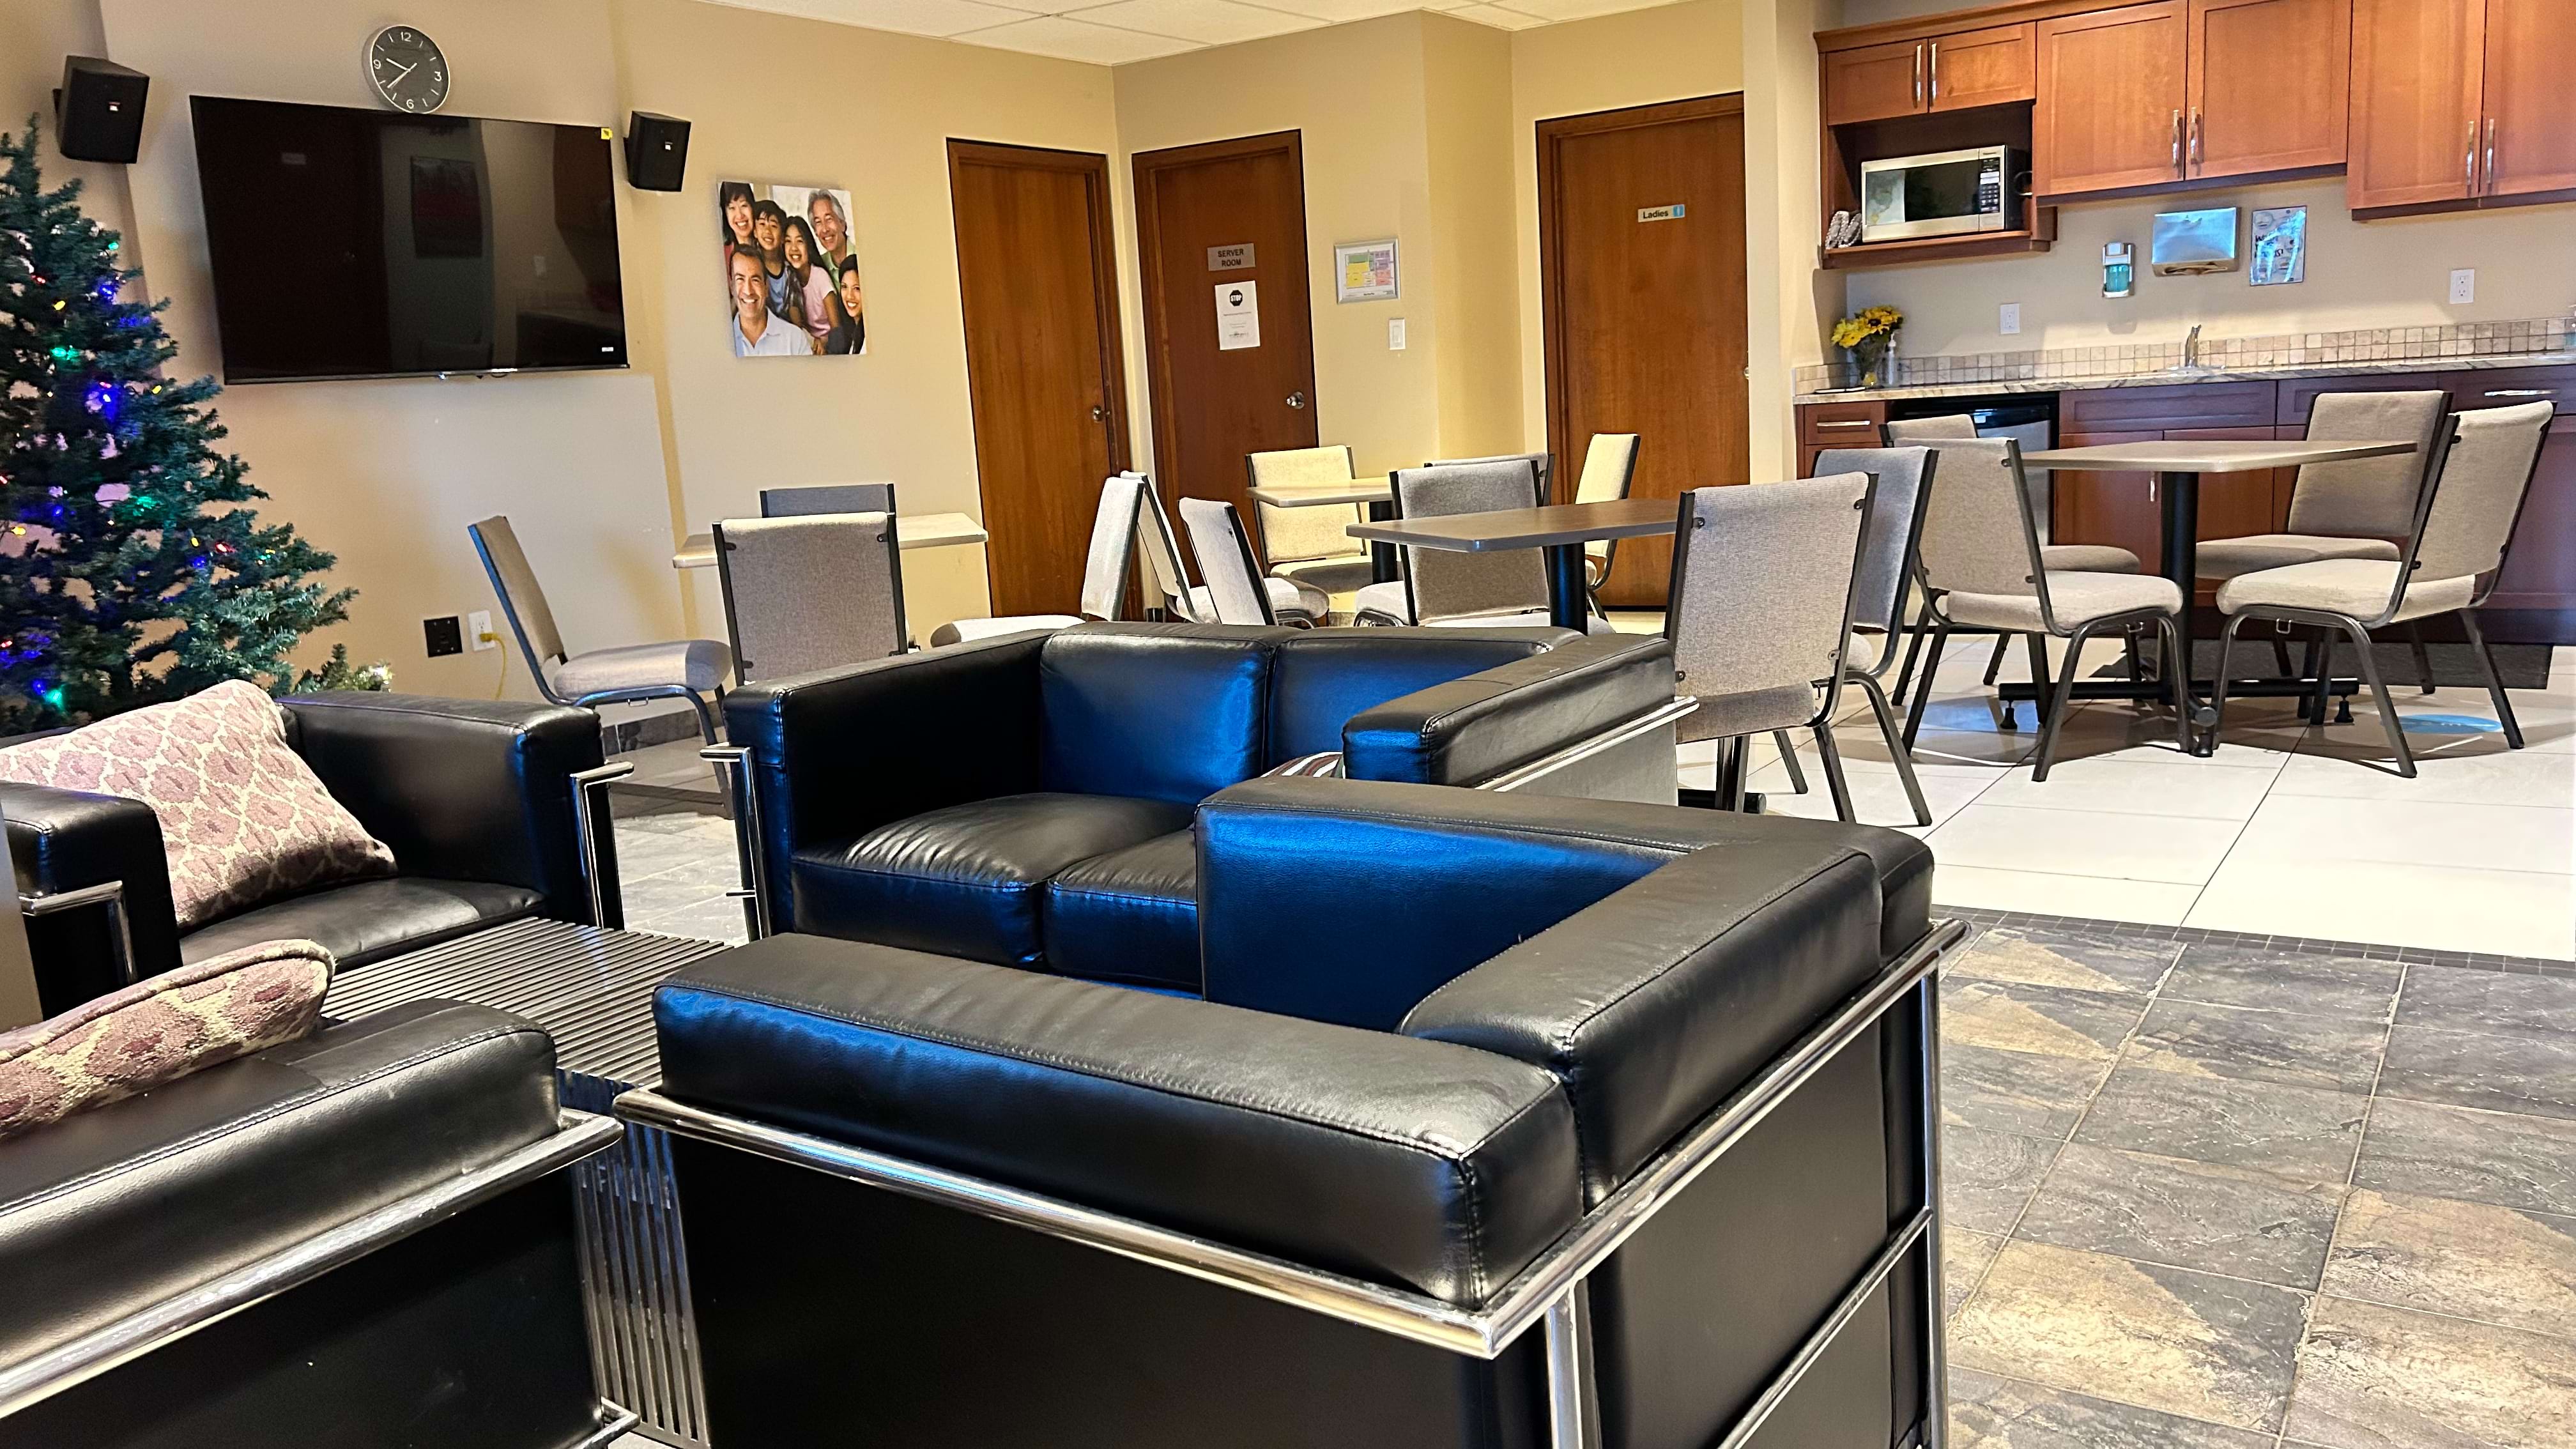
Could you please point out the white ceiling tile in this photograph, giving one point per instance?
(1339, 11)
(1210, 22)
(1075, 40)
(1497, 16)
(1578, 9)
(912, 17)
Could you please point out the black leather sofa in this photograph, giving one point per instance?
(356, 1240)
(1026, 800)
(1460, 1058)
(482, 803)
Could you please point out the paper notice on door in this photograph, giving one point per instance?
(1238, 316)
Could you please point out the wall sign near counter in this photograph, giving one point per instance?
(1235, 258)
(1364, 271)
(1674, 212)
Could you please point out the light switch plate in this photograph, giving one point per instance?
(2464, 286)
(1395, 334)
(2008, 319)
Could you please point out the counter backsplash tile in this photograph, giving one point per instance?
(2292, 349)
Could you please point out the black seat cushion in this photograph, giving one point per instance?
(1130, 916)
(369, 920)
(114, 1209)
(967, 880)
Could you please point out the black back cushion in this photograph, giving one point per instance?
(1160, 711)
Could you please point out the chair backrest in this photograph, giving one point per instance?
(1545, 463)
(1297, 535)
(1903, 479)
(2369, 497)
(516, 585)
(1978, 534)
(2469, 514)
(1951, 428)
(1609, 468)
(827, 498)
(1106, 566)
(814, 591)
(1166, 583)
(1761, 600)
(1445, 584)
(1225, 561)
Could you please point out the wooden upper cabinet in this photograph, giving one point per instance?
(2527, 143)
(2268, 82)
(1874, 83)
(2111, 99)
(1982, 67)
(2416, 100)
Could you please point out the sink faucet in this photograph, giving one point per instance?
(2191, 347)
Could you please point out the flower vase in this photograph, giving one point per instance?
(1869, 359)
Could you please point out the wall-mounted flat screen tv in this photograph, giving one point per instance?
(357, 243)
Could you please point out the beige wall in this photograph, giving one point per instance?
(1467, 100)
(1793, 303)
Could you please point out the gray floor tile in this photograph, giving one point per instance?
(2489, 1001)
(2227, 1220)
(2045, 1020)
(2503, 1158)
(1987, 1177)
(2529, 1074)
(2459, 1259)
(2040, 1096)
(1987, 1412)
(2054, 956)
(2259, 1046)
(2372, 1377)
(1964, 1259)
(2314, 985)
(2300, 1134)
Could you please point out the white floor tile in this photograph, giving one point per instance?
(1878, 796)
(2127, 785)
(2170, 848)
(2412, 832)
(2154, 903)
(2516, 913)
(2494, 777)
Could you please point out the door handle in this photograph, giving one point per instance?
(2177, 142)
(2195, 136)
(1296, 399)
(1936, 72)
(2522, 392)
(1918, 75)
(2491, 129)
(1099, 414)
(1845, 423)
(2469, 163)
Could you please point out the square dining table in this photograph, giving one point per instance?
(1558, 529)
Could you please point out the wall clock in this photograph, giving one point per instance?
(408, 69)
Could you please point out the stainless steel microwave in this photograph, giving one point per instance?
(1947, 193)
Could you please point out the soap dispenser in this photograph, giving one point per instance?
(2119, 268)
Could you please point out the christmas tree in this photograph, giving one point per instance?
(130, 572)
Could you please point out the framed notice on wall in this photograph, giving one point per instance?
(1364, 271)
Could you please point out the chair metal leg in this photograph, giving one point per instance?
(2323, 656)
(2281, 657)
(1995, 661)
(1789, 756)
(2423, 657)
(2218, 685)
(1833, 759)
(706, 717)
(2039, 675)
(2495, 681)
(2170, 630)
(1896, 750)
(2062, 698)
(1738, 763)
(1913, 650)
(2388, 719)
(2129, 655)
(1923, 687)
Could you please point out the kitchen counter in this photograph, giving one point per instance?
(2182, 376)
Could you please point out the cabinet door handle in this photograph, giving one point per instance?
(2469, 163)
(1936, 72)
(1850, 423)
(2177, 142)
(1918, 87)
(2491, 129)
(2195, 136)
(2521, 392)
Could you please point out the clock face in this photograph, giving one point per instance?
(407, 69)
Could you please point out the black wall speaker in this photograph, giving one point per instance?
(98, 113)
(657, 151)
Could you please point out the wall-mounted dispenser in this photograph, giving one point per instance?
(2194, 243)
(2119, 269)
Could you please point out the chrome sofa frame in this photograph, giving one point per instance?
(1551, 1290)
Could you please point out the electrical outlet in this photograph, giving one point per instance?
(478, 630)
(1395, 334)
(2008, 319)
(444, 636)
(2464, 286)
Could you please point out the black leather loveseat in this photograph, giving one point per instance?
(1026, 800)
(1505, 1122)
(356, 1240)
(483, 804)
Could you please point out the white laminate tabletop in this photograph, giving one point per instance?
(2205, 457)
(1314, 497)
(911, 530)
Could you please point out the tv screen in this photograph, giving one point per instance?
(356, 243)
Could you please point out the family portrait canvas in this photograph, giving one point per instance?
(792, 285)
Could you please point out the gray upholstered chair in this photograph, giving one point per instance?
(690, 669)
(1448, 587)
(1106, 567)
(1901, 488)
(1164, 583)
(1544, 463)
(1234, 593)
(1310, 545)
(827, 498)
(1760, 616)
(1609, 469)
(1982, 567)
(2454, 550)
(815, 591)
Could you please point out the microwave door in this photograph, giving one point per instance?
(1939, 198)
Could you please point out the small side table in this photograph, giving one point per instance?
(592, 989)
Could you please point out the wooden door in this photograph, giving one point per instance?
(1039, 282)
(2111, 99)
(2417, 70)
(1214, 404)
(1645, 318)
(2268, 82)
(1874, 82)
(2529, 141)
(1983, 67)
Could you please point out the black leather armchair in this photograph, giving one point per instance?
(493, 811)
(1503, 1122)
(359, 1239)
(1026, 800)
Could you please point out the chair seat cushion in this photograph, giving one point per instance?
(1339, 574)
(2088, 558)
(367, 921)
(1791, 706)
(2225, 558)
(697, 664)
(968, 880)
(2354, 586)
(1129, 916)
(1383, 603)
(1293, 602)
(2075, 599)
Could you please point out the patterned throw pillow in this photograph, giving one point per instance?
(243, 818)
(157, 1031)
